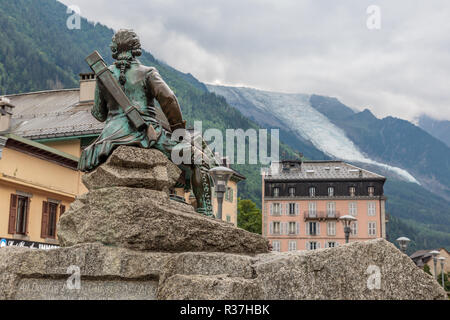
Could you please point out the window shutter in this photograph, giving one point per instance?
(326, 244)
(318, 245)
(271, 209)
(296, 209)
(44, 221)
(12, 214)
(62, 209)
(318, 228)
(297, 228)
(271, 228)
(307, 228)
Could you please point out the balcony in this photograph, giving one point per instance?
(321, 215)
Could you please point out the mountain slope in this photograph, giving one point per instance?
(396, 142)
(439, 129)
(377, 145)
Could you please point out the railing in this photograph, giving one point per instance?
(321, 215)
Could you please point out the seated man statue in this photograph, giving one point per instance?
(142, 84)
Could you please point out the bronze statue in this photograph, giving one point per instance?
(124, 99)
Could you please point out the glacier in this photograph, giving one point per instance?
(296, 112)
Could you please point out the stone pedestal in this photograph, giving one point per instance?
(125, 239)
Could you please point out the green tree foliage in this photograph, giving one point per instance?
(426, 268)
(249, 216)
(446, 281)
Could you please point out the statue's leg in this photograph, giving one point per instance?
(201, 186)
(197, 174)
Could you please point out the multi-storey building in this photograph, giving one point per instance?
(303, 200)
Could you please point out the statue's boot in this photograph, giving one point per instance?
(201, 185)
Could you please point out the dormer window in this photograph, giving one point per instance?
(331, 191)
(276, 192)
(352, 191)
(312, 191)
(371, 191)
(291, 192)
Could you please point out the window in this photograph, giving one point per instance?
(330, 244)
(228, 218)
(372, 228)
(312, 228)
(312, 191)
(331, 228)
(293, 208)
(276, 192)
(352, 191)
(53, 208)
(352, 209)
(354, 228)
(291, 192)
(276, 246)
(371, 191)
(312, 209)
(330, 191)
(229, 194)
(18, 214)
(312, 245)
(292, 228)
(276, 227)
(49, 218)
(371, 208)
(292, 245)
(276, 209)
(331, 209)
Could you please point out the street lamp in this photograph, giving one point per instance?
(403, 243)
(441, 260)
(220, 175)
(347, 221)
(435, 253)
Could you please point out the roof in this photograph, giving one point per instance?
(318, 170)
(424, 253)
(51, 114)
(39, 150)
(55, 114)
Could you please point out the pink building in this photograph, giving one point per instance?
(303, 200)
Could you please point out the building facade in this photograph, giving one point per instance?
(424, 257)
(39, 180)
(37, 185)
(303, 200)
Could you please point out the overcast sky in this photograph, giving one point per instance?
(301, 46)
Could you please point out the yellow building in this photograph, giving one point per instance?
(38, 180)
(424, 257)
(37, 184)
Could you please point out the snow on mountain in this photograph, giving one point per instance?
(295, 111)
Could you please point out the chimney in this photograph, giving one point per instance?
(87, 87)
(5, 114)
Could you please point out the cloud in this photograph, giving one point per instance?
(320, 46)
